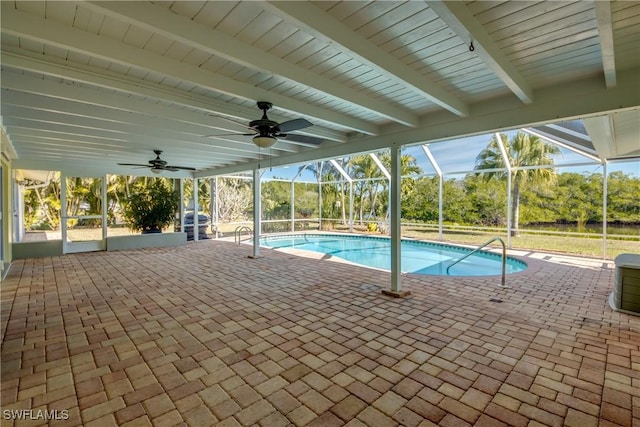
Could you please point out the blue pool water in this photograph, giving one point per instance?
(417, 257)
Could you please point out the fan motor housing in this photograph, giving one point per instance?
(264, 105)
(264, 125)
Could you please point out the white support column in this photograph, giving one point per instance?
(505, 158)
(104, 209)
(293, 198)
(320, 195)
(292, 206)
(216, 207)
(396, 233)
(509, 213)
(347, 178)
(605, 185)
(384, 171)
(63, 211)
(257, 213)
(196, 210)
(436, 167)
(351, 207)
(212, 206)
(441, 207)
(182, 206)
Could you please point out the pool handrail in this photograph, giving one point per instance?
(504, 258)
(237, 234)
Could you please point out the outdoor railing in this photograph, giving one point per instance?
(237, 235)
(504, 258)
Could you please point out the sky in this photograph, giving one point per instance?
(460, 154)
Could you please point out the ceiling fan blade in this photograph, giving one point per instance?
(238, 122)
(229, 134)
(176, 168)
(303, 139)
(134, 164)
(294, 124)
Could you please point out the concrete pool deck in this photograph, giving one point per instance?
(202, 335)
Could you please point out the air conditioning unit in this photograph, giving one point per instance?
(626, 292)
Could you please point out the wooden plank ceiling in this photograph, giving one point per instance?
(87, 85)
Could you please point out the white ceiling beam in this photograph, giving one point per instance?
(569, 100)
(105, 79)
(89, 168)
(109, 116)
(377, 161)
(459, 19)
(46, 31)
(33, 142)
(25, 129)
(602, 135)
(176, 27)
(136, 120)
(84, 129)
(321, 25)
(605, 31)
(34, 145)
(8, 149)
(556, 141)
(39, 135)
(111, 159)
(339, 168)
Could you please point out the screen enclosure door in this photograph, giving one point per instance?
(84, 227)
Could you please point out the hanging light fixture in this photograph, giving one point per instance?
(264, 141)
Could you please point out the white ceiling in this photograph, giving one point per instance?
(86, 85)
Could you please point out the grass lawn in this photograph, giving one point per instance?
(570, 245)
(566, 244)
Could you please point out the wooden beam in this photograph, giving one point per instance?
(51, 33)
(325, 27)
(605, 31)
(458, 18)
(566, 101)
(105, 79)
(162, 21)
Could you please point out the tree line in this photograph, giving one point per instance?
(538, 195)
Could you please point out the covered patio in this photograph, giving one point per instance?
(212, 333)
(202, 335)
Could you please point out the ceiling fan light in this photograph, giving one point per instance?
(156, 170)
(264, 141)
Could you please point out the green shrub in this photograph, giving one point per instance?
(151, 207)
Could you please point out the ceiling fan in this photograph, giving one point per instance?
(266, 132)
(158, 165)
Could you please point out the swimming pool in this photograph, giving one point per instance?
(417, 257)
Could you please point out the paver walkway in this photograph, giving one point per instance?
(202, 335)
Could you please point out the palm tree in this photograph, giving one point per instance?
(367, 173)
(522, 150)
(376, 187)
(408, 167)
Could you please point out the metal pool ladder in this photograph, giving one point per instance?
(238, 233)
(504, 258)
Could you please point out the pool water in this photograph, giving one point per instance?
(417, 257)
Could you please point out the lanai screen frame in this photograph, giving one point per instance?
(441, 177)
(395, 178)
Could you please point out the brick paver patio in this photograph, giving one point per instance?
(201, 335)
